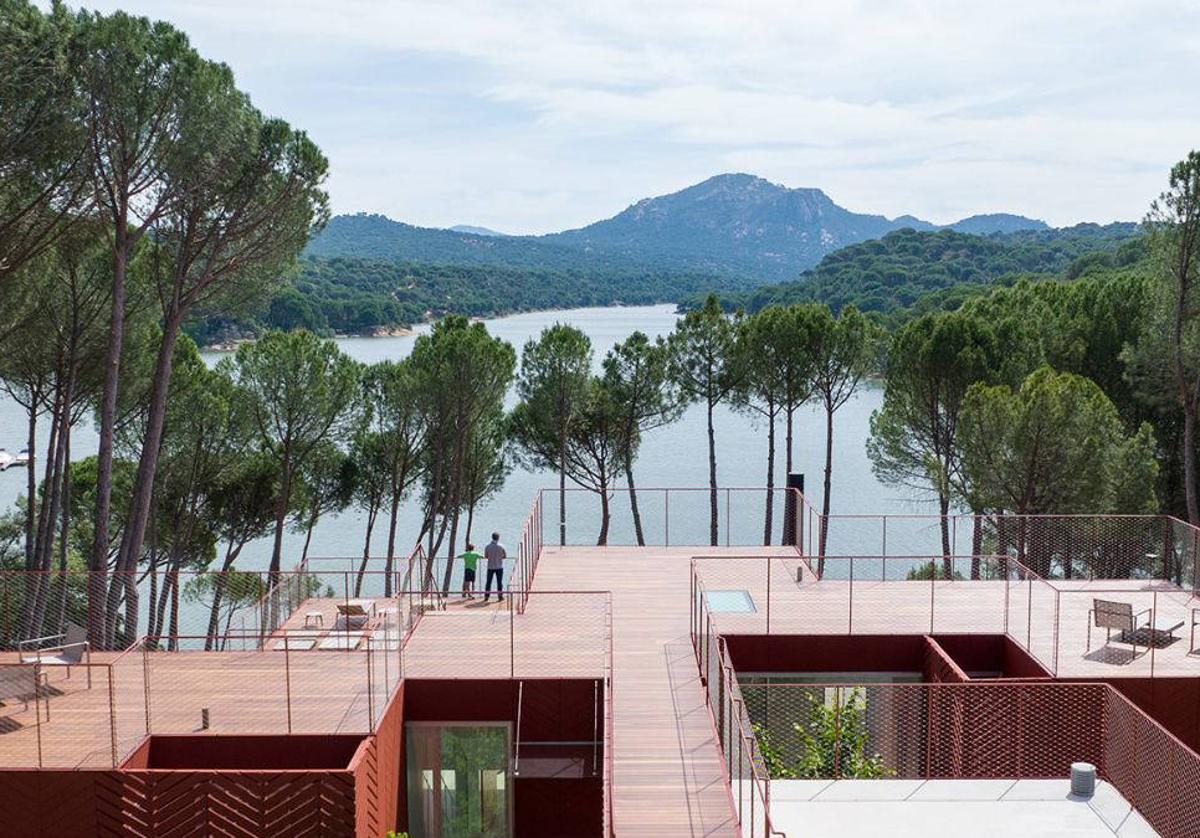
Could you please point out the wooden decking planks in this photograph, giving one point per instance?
(1050, 619)
(667, 765)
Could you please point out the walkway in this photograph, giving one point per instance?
(667, 765)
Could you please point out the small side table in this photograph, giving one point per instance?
(314, 618)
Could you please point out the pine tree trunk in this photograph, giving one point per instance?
(31, 483)
(605, 515)
(947, 560)
(143, 487)
(1189, 464)
(713, 533)
(770, 506)
(562, 488)
(98, 629)
(633, 503)
(828, 483)
(372, 513)
(391, 543)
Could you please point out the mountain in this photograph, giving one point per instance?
(997, 222)
(472, 230)
(731, 225)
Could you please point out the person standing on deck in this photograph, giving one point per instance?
(470, 560)
(495, 555)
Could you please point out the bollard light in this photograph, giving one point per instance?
(1083, 779)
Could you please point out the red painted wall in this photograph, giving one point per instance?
(225, 752)
(826, 652)
(877, 653)
(938, 667)
(552, 710)
(168, 804)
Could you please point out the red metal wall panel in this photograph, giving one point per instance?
(937, 667)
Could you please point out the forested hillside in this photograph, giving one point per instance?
(364, 296)
(898, 270)
(728, 225)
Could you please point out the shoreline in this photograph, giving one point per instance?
(232, 344)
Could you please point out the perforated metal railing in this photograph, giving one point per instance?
(1053, 620)
(1083, 546)
(743, 762)
(977, 731)
(771, 731)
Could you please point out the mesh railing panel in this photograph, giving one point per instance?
(129, 689)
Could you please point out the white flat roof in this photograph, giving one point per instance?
(927, 808)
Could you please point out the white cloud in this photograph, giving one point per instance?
(537, 116)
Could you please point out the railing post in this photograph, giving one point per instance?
(837, 733)
(768, 595)
(146, 684)
(932, 581)
(37, 710)
(1029, 619)
(850, 615)
(666, 517)
(727, 541)
(884, 551)
(370, 694)
(512, 640)
(112, 715)
(1057, 612)
(287, 682)
(1153, 617)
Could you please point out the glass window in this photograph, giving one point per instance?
(458, 781)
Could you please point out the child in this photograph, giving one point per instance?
(470, 560)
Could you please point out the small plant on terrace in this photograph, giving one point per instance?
(833, 743)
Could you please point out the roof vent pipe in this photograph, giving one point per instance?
(1083, 779)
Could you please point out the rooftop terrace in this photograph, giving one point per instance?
(637, 620)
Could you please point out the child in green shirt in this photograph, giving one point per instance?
(470, 560)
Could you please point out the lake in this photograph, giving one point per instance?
(672, 456)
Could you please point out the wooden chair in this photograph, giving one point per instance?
(351, 616)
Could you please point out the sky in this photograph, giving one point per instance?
(533, 117)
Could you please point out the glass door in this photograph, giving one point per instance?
(458, 780)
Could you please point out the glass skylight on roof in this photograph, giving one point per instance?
(736, 600)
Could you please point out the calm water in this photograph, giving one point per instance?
(671, 456)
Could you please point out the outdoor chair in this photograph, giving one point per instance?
(1195, 620)
(68, 649)
(1109, 615)
(351, 616)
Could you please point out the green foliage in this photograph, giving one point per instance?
(1056, 444)
(300, 392)
(832, 742)
(931, 570)
(351, 295)
(896, 271)
(931, 363)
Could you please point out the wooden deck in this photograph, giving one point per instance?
(1049, 619)
(668, 778)
(667, 767)
(245, 692)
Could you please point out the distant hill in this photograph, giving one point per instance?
(998, 222)
(731, 225)
(472, 230)
(895, 271)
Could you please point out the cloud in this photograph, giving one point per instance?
(535, 116)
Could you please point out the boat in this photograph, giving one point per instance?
(9, 460)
